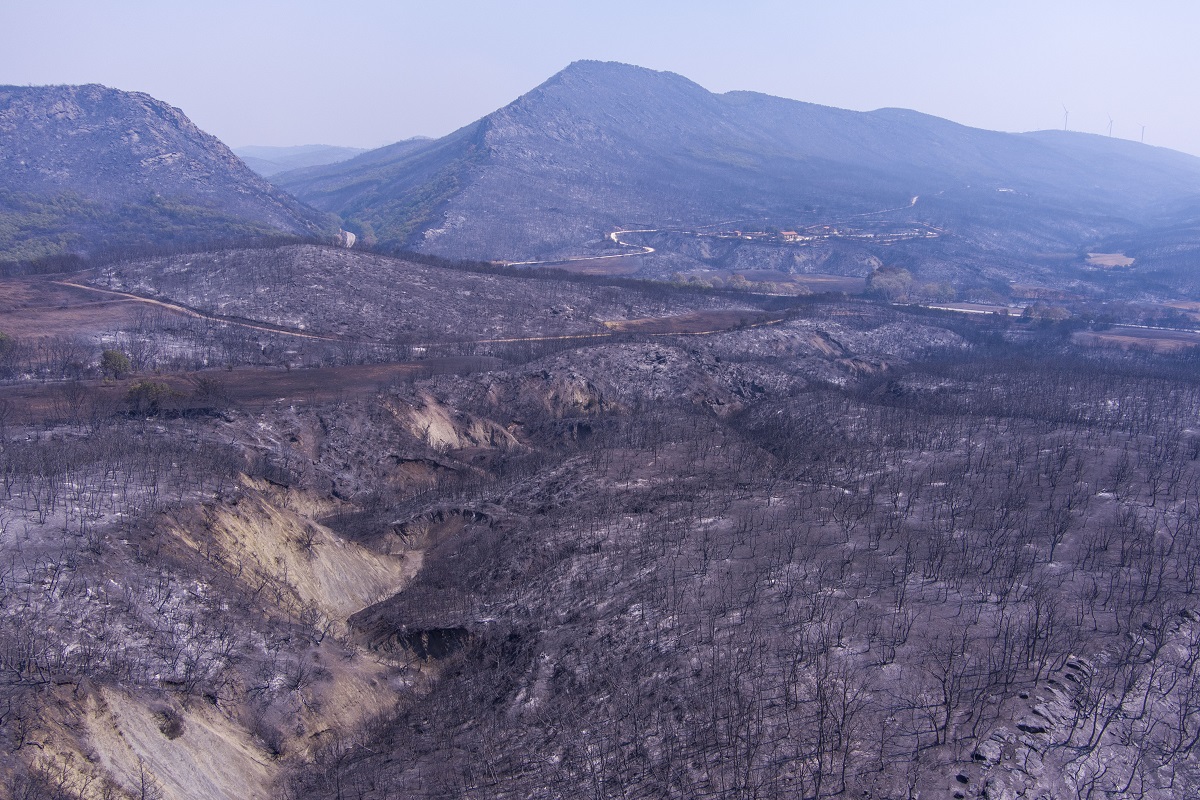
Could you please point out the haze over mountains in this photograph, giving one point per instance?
(268, 161)
(84, 168)
(602, 146)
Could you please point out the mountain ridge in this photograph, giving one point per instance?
(600, 146)
(87, 168)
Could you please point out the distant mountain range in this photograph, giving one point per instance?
(268, 161)
(607, 159)
(603, 146)
(88, 168)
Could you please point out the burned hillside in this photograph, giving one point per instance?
(834, 547)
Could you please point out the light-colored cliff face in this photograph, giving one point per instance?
(234, 743)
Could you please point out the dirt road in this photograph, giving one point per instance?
(191, 312)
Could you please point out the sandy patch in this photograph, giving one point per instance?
(1109, 260)
(210, 758)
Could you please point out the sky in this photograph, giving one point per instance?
(366, 73)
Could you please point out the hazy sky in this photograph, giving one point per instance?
(369, 72)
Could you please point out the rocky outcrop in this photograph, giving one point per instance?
(84, 168)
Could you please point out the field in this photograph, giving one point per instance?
(1109, 260)
(1157, 340)
(813, 282)
(615, 267)
(240, 387)
(39, 307)
(776, 282)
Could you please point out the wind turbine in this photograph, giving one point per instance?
(1143, 134)
(1066, 116)
(1110, 126)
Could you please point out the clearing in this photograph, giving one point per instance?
(1109, 260)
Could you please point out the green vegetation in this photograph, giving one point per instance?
(389, 202)
(9, 353)
(402, 217)
(1043, 312)
(890, 283)
(33, 228)
(115, 364)
(391, 216)
(146, 398)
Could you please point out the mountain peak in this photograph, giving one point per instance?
(137, 171)
(603, 145)
(614, 68)
(615, 74)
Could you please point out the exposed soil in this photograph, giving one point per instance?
(33, 307)
(1109, 260)
(616, 267)
(694, 323)
(1156, 340)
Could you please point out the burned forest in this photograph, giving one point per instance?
(303, 522)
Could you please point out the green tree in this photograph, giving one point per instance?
(8, 355)
(940, 292)
(115, 363)
(890, 283)
(1044, 312)
(146, 398)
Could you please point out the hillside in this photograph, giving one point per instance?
(88, 168)
(602, 146)
(356, 526)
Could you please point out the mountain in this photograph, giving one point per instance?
(268, 161)
(88, 168)
(602, 146)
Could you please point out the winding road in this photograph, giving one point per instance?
(645, 251)
(191, 312)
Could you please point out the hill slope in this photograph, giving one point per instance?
(603, 146)
(83, 168)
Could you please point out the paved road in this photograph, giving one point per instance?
(645, 251)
